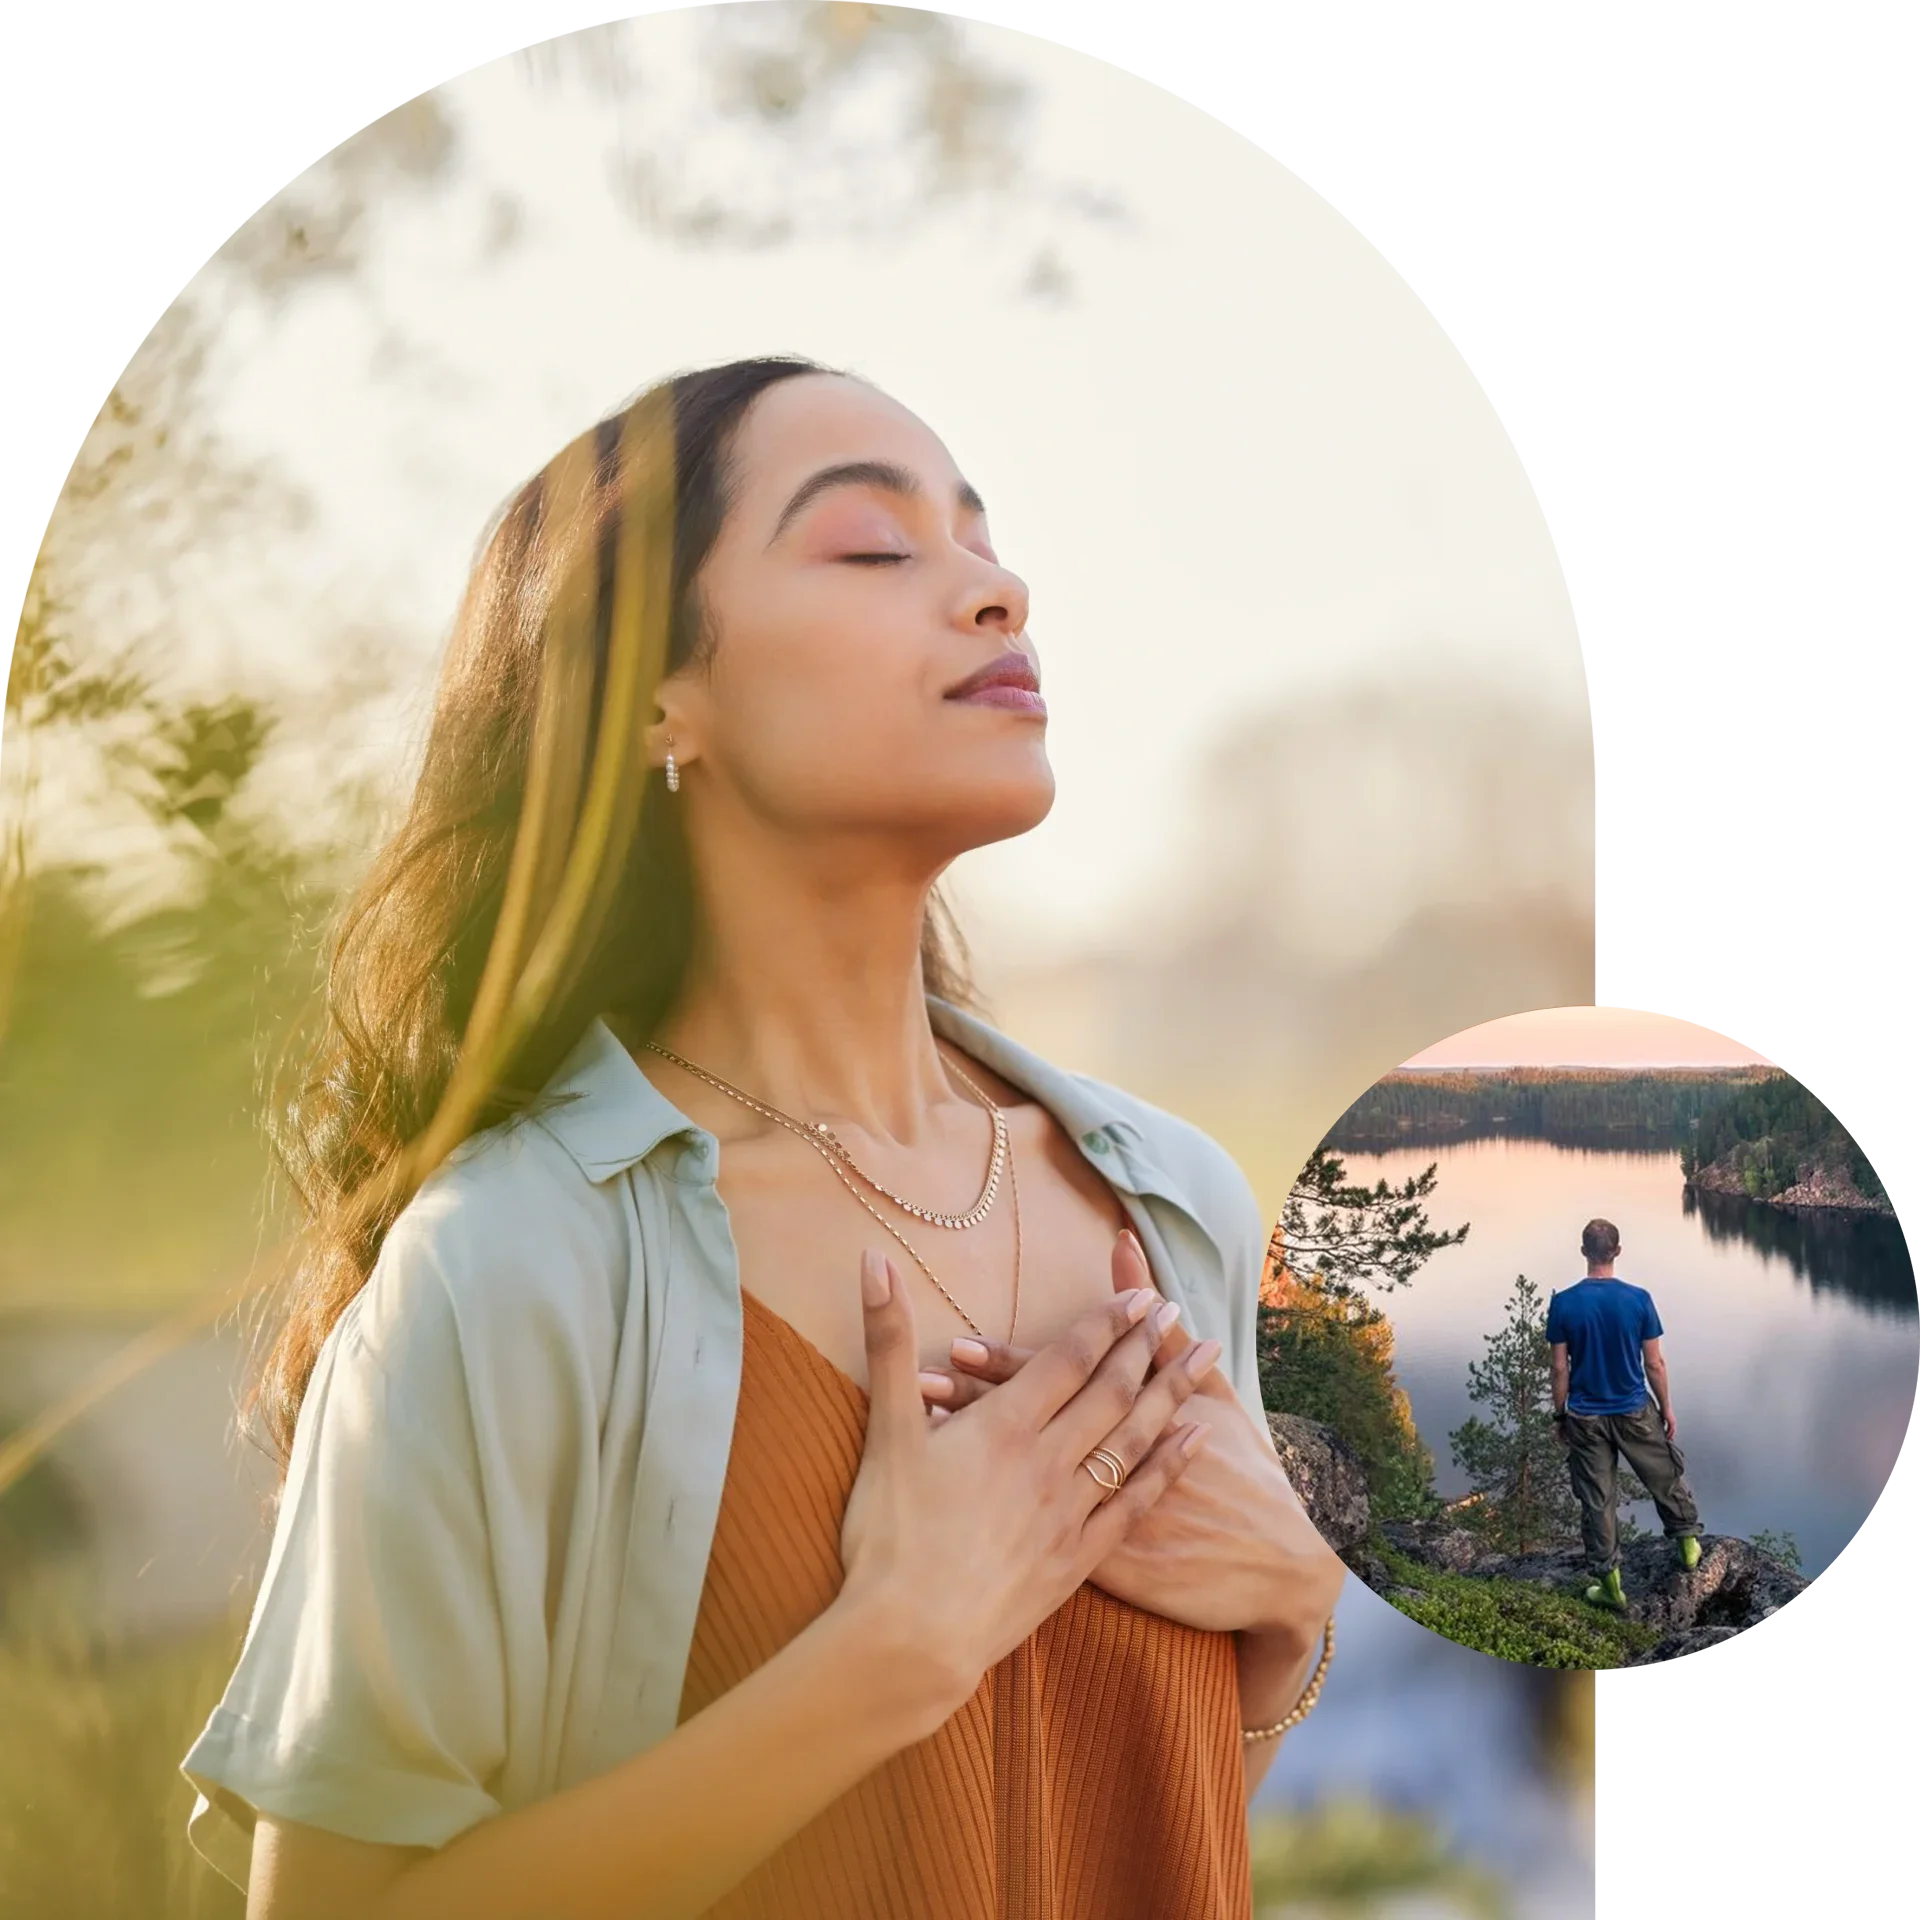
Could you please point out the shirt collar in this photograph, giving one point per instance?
(609, 1116)
(606, 1113)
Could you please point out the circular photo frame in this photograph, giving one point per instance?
(1597, 1332)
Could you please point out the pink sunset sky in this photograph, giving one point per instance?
(1588, 1037)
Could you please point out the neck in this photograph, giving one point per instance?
(804, 986)
(1604, 1271)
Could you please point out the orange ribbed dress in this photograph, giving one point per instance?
(1095, 1774)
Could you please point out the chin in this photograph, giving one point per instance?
(1006, 810)
(974, 806)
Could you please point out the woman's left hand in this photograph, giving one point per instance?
(1230, 1547)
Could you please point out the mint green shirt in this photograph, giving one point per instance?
(491, 1544)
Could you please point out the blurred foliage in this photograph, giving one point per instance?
(159, 904)
(1782, 1546)
(1351, 1859)
(753, 125)
(1511, 1618)
(131, 1164)
(323, 225)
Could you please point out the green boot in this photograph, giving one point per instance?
(1609, 1592)
(1689, 1552)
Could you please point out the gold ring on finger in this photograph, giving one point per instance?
(1114, 1466)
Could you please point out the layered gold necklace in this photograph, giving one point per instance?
(846, 1169)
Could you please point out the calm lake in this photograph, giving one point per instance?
(1791, 1336)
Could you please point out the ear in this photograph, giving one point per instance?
(674, 727)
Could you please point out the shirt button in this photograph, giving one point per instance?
(1097, 1142)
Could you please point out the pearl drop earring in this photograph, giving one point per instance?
(673, 771)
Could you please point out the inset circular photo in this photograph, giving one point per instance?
(1606, 1329)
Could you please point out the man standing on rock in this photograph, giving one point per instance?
(1605, 1336)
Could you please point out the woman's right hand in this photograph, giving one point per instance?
(960, 1538)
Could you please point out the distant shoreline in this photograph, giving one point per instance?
(1534, 1076)
(1597, 1108)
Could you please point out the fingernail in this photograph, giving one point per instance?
(936, 1414)
(937, 1384)
(875, 1286)
(1138, 1302)
(1164, 1316)
(1195, 1436)
(1133, 1239)
(1202, 1357)
(973, 1350)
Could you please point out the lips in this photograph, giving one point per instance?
(1008, 681)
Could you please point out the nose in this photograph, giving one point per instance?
(997, 601)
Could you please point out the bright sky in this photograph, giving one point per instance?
(1242, 460)
(1588, 1037)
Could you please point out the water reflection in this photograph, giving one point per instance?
(1834, 1250)
(1624, 1136)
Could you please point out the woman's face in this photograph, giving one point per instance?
(853, 593)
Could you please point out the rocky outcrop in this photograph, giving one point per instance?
(1327, 1475)
(1718, 1177)
(1824, 1189)
(1734, 1586)
(1819, 1187)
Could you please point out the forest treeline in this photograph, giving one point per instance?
(1771, 1135)
(1648, 1106)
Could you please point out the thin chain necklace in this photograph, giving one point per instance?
(815, 1132)
(830, 1150)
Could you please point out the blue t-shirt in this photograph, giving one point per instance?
(1603, 1323)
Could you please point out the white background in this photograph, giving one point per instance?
(1757, 872)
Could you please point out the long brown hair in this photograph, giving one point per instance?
(536, 881)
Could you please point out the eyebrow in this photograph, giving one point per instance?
(883, 474)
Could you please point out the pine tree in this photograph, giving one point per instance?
(1325, 1351)
(1512, 1458)
(1350, 1238)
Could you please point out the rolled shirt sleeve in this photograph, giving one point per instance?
(370, 1696)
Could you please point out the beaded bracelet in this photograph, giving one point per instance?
(1309, 1699)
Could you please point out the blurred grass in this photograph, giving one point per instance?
(93, 1811)
(1349, 1860)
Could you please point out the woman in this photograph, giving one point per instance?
(664, 1532)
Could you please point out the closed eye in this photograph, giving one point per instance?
(873, 559)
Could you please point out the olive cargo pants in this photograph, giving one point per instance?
(1596, 1444)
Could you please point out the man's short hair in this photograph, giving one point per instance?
(1599, 1241)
